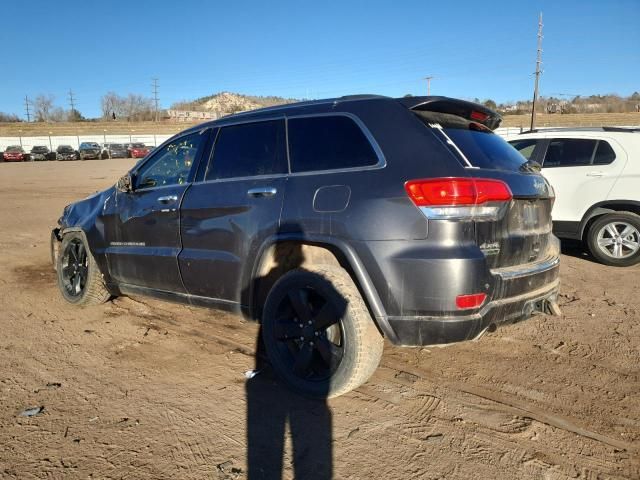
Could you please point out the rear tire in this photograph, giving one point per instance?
(318, 333)
(614, 239)
(79, 278)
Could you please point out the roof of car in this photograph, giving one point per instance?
(609, 129)
(410, 102)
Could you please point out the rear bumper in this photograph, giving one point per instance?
(518, 293)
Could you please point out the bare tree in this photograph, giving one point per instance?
(42, 107)
(132, 107)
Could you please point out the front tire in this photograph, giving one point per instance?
(79, 277)
(614, 239)
(318, 333)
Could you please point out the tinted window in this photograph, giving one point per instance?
(485, 149)
(328, 143)
(569, 152)
(604, 154)
(171, 164)
(525, 147)
(249, 149)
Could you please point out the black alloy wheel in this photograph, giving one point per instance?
(75, 268)
(309, 333)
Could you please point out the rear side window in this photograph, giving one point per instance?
(604, 154)
(328, 143)
(569, 152)
(525, 147)
(248, 150)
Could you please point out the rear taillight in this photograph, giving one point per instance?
(474, 300)
(460, 198)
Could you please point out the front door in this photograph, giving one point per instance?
(145, 233)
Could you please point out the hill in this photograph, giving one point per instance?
(225, 103)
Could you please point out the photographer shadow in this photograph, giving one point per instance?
(272, 406)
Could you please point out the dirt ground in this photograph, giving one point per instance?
(138, 388)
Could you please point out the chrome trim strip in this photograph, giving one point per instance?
(519, 271)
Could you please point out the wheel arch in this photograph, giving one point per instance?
(284, 252)
(602, 208)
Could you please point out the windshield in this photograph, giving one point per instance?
(39, 149)
(65, 148)
(116, 146)
(479, 145)
(137, 145)
(14, 149)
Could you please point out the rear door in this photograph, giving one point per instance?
(144, 231)
(227, 215)
(582, 171)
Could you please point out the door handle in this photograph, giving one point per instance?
(262, 192)
(595, 174)
(168, 199)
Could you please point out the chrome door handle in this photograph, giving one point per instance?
(168, 199)
(262, 192)
(595, 174)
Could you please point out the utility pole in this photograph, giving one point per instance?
(155, 95)
(72, 103)
(26, 106)
(538, 72)
(428, 79)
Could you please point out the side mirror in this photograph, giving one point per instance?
(125, 183)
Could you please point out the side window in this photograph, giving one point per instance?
(604, 154)
(171, 164)
(569, 152)
(328, 143)
(525, 147)
(249, 149)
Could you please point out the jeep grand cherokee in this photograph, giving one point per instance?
(334, 223)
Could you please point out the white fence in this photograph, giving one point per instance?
(54, 141)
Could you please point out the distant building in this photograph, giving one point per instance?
(190, 116)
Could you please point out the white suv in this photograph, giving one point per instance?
(596, 175)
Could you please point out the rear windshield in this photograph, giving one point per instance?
(481, 147)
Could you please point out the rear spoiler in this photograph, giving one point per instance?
(468, 110)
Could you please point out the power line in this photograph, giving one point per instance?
(538, 72)
(26, 106)
(155, 95)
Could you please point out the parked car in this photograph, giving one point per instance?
(137, 150)
(114, 150)
(66, 152)
(89, 150)
(595, 173)
(333, 223)
(15, 153)
(41, 152)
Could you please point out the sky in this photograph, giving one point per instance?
(305, 49)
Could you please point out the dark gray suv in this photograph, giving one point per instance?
(334, 223)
